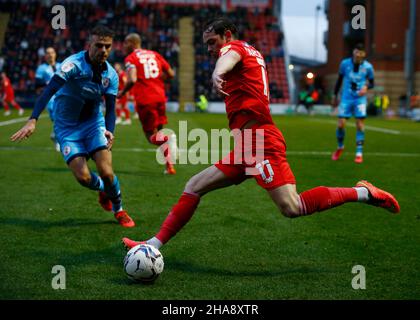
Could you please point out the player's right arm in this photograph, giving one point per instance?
(167, 71)
(131, 72)
(224, 64)
(28, 129)
(338, 85)
(67, 71)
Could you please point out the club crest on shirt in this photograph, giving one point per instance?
(105, 82)
(66, 150)
(66, 67)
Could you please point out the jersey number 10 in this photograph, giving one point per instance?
(264, 75)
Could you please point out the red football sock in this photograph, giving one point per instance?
(118, 111)
(16, 105)
(323, 198)
(180, 214)
(158, 139)
(127, 113)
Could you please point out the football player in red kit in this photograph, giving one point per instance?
(122, 103)
(146, 72)
(8, 95)
(240, 75)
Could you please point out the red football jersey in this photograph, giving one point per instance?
(247, 86)
(150, 65)
(6, 87)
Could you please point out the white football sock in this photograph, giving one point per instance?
(154, 242)
(362, 194)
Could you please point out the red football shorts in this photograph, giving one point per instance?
(9, 96)
(260, 153)
(122, 102)
(152, 115)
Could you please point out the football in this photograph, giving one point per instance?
(143, 263)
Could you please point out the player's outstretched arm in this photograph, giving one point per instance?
(224, 64)
(131, 80)
(28, 129)
(25, 132)
(168, 74)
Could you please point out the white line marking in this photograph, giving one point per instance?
(17, 120)
(140, 150)
(370, 128)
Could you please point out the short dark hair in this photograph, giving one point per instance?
(220, 25)
(101, 30)
(360, 46)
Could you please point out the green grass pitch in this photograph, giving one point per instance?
(237, 245)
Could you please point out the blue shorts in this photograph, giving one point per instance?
(81, 141)
(355, 107)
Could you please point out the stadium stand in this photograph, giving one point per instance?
(261, 30)
(29, 33)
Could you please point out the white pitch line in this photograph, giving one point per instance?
(150, 150)
(17, 120)
(353, 125)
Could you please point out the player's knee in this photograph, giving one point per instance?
(83, 178)
(193, 185)
(289, 212)
(289, 208)
(107, 177)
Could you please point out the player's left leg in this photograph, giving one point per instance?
(151, 120)
(207, 180)
(6, 108)
(75, 155)
(172, 139)
(118, 112)
(126, 110)
(344, 113)
(16, 106)
(276, 176)
(360, 115)
(103, 160)
(293, 205)
(360, 139)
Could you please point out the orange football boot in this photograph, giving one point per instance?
(128, 243)
(170, 169)
(124, 219)
(358, 159)
(380, 198)
(337, 154)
